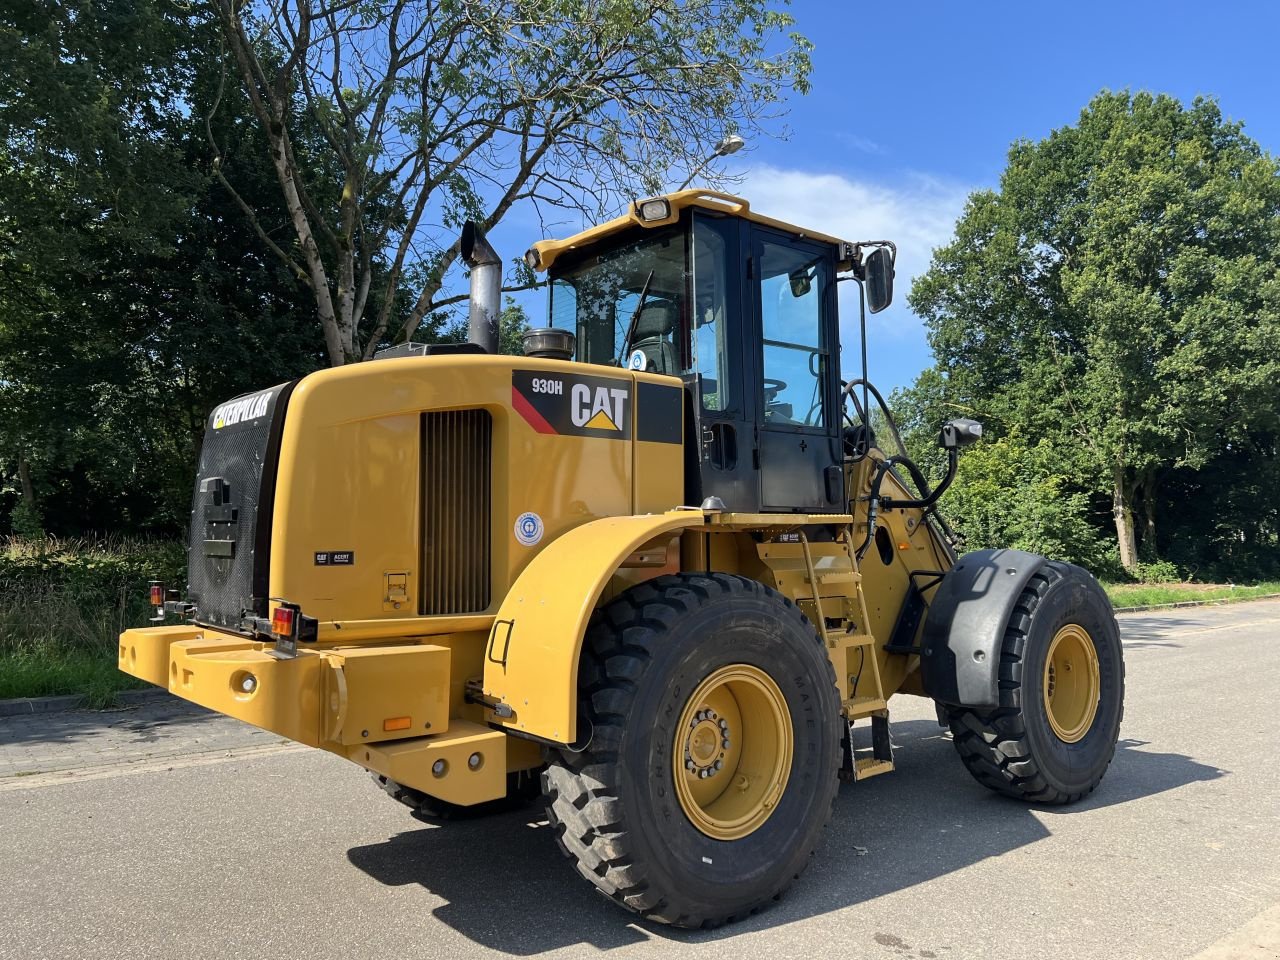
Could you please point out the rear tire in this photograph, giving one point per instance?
(1033, 747)
(710, 849)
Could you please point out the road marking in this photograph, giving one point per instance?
(34, 781)
(1259, 939)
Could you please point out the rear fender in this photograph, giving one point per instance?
(966, 622)
(531, 661)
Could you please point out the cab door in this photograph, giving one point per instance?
(723, 452)
(795, 373)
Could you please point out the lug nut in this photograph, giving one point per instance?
(725, 743)
(689, 765)
(249, 683)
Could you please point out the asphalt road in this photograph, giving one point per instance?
(163, 832)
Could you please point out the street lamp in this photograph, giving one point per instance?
(730, 144)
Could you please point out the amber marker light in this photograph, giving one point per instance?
(157, 593)
(282, 622)
(396, 723)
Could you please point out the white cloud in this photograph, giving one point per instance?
(918, 213)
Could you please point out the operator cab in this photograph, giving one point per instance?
(743, 310)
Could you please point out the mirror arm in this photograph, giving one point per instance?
(953, 461)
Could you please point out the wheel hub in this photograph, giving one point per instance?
(734, 743)
(706, 744)
(1072, 683)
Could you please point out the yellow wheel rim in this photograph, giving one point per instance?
(732, 755)
(1071, 683)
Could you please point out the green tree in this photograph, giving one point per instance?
(91, 182)
(435, 113)
(1119, 295)
(1011, 493)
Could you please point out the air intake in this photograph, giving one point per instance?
(456, 509)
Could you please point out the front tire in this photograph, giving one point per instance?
(1061, 694)
(714, 747)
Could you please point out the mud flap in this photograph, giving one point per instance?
(965, 625)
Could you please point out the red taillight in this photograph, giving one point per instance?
(282, 622)
(157, 594)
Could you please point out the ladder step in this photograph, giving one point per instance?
(865, 767)
(858, 640)
(860, 707)
(836, 576)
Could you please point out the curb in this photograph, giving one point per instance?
(31, 705)
(1216, 602)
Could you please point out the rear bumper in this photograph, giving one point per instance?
(384, 707)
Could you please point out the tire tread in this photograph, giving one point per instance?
(993, 744)
(585, 816)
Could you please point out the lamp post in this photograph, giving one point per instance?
(730, 144)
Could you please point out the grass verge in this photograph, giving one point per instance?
(63, 605)
(94, 678)
(1127, 595)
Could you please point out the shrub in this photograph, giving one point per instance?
(1158, 571)
(75, 596)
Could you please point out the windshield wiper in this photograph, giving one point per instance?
(635, 318)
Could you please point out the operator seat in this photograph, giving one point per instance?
(653, 337)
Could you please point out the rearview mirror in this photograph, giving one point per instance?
(877, 274)
(801, 282)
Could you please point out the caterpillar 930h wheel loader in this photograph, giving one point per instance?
(656, 568)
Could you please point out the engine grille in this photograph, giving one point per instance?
(457, 498)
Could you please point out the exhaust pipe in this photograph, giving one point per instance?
(486, 287)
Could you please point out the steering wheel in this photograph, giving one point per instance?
(772, 387)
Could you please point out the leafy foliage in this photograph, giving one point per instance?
(1012, 493)
(1119, 295)
(432, 114)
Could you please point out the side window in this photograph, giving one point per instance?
(710, 324)
(793, 290)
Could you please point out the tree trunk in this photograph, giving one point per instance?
(1149, 522)
(1122, 508)
(24, 478)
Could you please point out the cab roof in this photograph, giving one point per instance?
(543, 254)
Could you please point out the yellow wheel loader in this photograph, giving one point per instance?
(654, 570)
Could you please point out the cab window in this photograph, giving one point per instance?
(794, 284)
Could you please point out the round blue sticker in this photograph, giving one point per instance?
(638, 360)
(529, 528)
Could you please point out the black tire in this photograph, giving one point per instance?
(522, 787)
(613, 805)
(1013, 749)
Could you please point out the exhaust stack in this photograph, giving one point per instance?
(486, 287)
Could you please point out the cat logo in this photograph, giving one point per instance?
(574, 405)
(602, 409)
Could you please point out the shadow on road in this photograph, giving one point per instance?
(149, 722)
(508, 888)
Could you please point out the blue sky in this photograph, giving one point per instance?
(915, 105)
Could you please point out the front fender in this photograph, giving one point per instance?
(964, 629)
(531, 661)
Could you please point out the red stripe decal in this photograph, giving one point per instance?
(525, 409)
